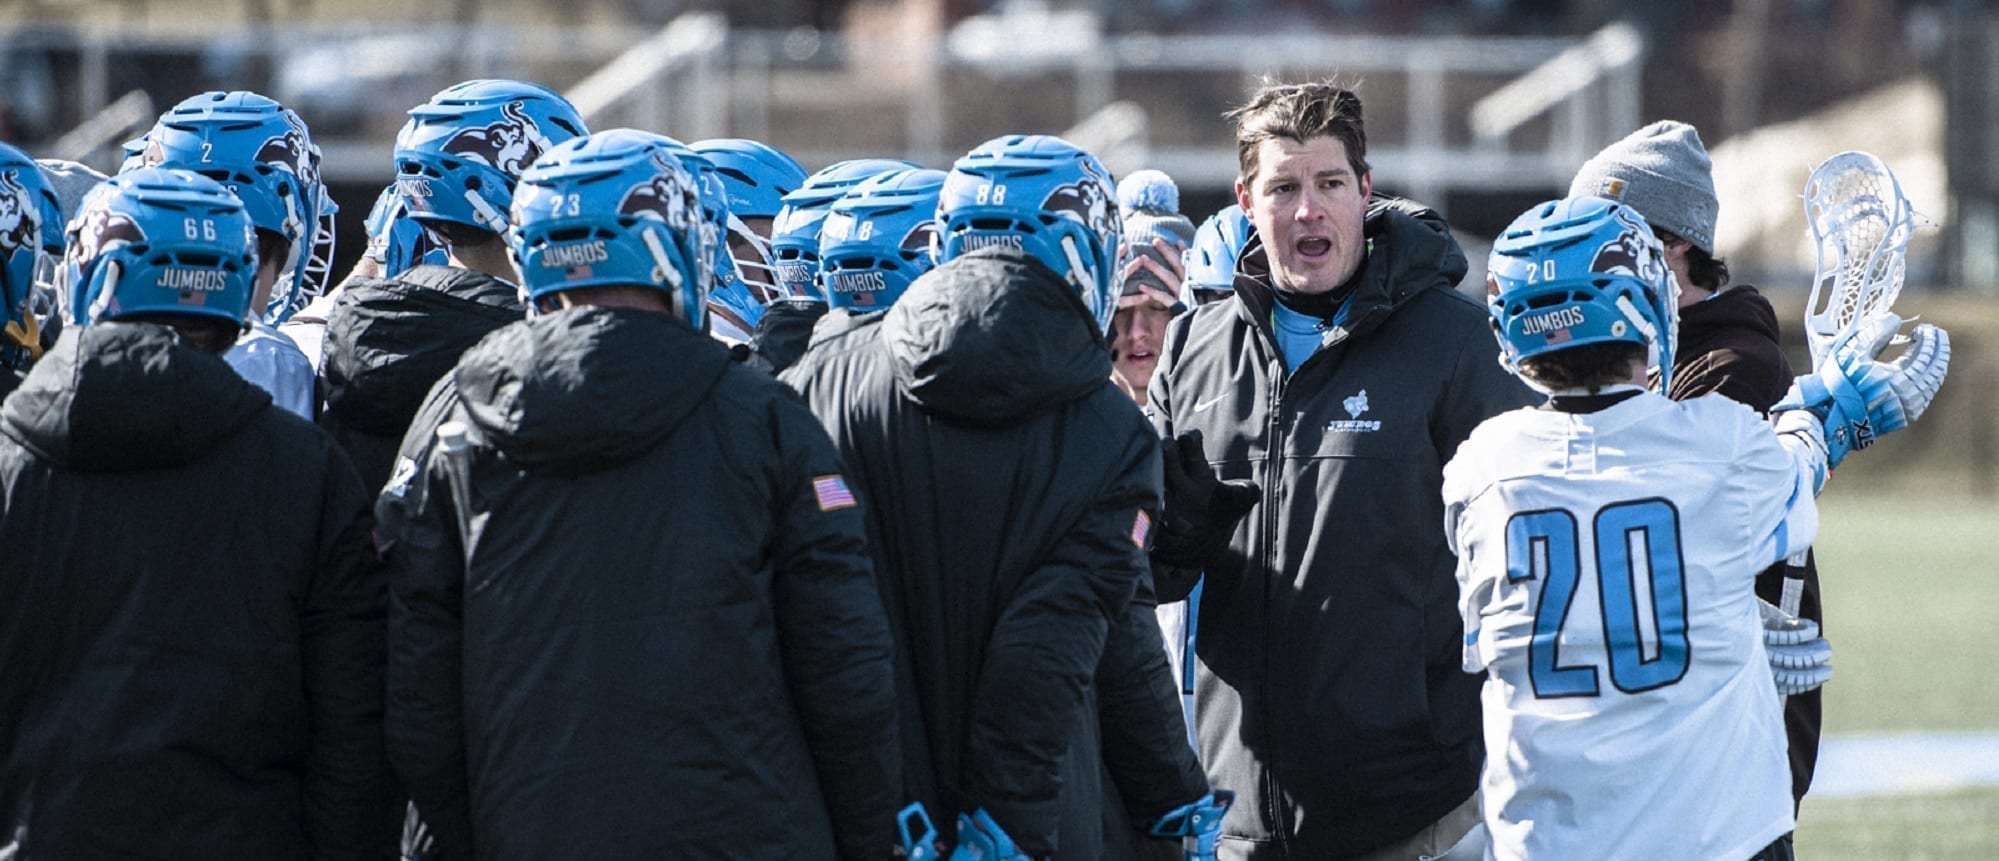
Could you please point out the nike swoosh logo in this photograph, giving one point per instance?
(1204, 405)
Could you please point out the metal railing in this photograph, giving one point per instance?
(1445, 114)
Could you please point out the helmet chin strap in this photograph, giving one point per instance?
(1654, 339)
(490, 218)
(1078, 272)
(102, 303)
(667, 271)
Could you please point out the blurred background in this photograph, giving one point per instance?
(1477, 107)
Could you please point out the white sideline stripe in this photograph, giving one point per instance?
(1856, 765)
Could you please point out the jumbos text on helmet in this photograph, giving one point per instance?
(856, 282)
(978, 241)
(574, 254)
(186, 280)
(416, 187)
(1560, 318)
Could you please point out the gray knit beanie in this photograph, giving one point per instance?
(1663, 172)
(1149, 202)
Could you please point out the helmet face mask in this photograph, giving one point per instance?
(460, 155)
(1046, 197)
(30, 237)
(1582, 271)
(878, 237)
(160, 241)
(261, 151)
(616, 209)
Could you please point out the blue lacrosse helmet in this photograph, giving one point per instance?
(737, 261)
(1211, 259)
(877, 238)
(613, 209)
(160, 240)
(1580, 271)
(30, 237)
(261, 151)
(460, 154)
(399, 242)
(1045, 196)
(757, 175)
(794, 236)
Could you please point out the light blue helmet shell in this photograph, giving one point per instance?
(1210, 261)
(756, 174)
(1578, 271)
(613, 209)
(1046, 197)
(879, 237)
(794, 236)
(461, 153)
(262, 152)
(160, 241)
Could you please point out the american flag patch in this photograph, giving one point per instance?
(1140, 528)
(832, 492)
(1558, 336)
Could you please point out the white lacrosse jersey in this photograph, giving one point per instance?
(1606, 571)
(269, 359)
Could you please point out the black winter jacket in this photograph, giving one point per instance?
(1010, 489)
(1329, 694)
(193, 629)
(667, 642)
(388, 341)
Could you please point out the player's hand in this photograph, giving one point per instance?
(1800, 659)
(1857, 397)
(1896, 392)
(1201, 510)
(1164, 264)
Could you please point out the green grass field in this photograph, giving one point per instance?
(1910, 590)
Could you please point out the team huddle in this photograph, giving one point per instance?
(635, 498)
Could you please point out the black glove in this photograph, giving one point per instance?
(1200, 517)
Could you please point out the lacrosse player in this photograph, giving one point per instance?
(193, 660)
(632, 616)
(1608, 540)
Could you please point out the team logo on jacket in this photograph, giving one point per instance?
(510, 145)
(1355, 406)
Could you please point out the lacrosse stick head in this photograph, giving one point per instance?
(1861, 224)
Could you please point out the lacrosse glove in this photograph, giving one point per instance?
(1200, 517)
(1800, 659)
(982, 839)
(1198, 824)
(919, 836)
(1857, 398)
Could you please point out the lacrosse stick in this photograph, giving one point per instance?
(1861, 225)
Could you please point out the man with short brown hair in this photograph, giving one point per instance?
(1340, 377)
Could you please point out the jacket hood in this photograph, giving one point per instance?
(992, 338)
(587, 389)
(1410, 250)
(1737, 308)
(120, 397)
(389, 340)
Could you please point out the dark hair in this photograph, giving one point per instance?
(464, 234)
(1707, 271)
(1299, 112)
(209, 334)
(1590, 367)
